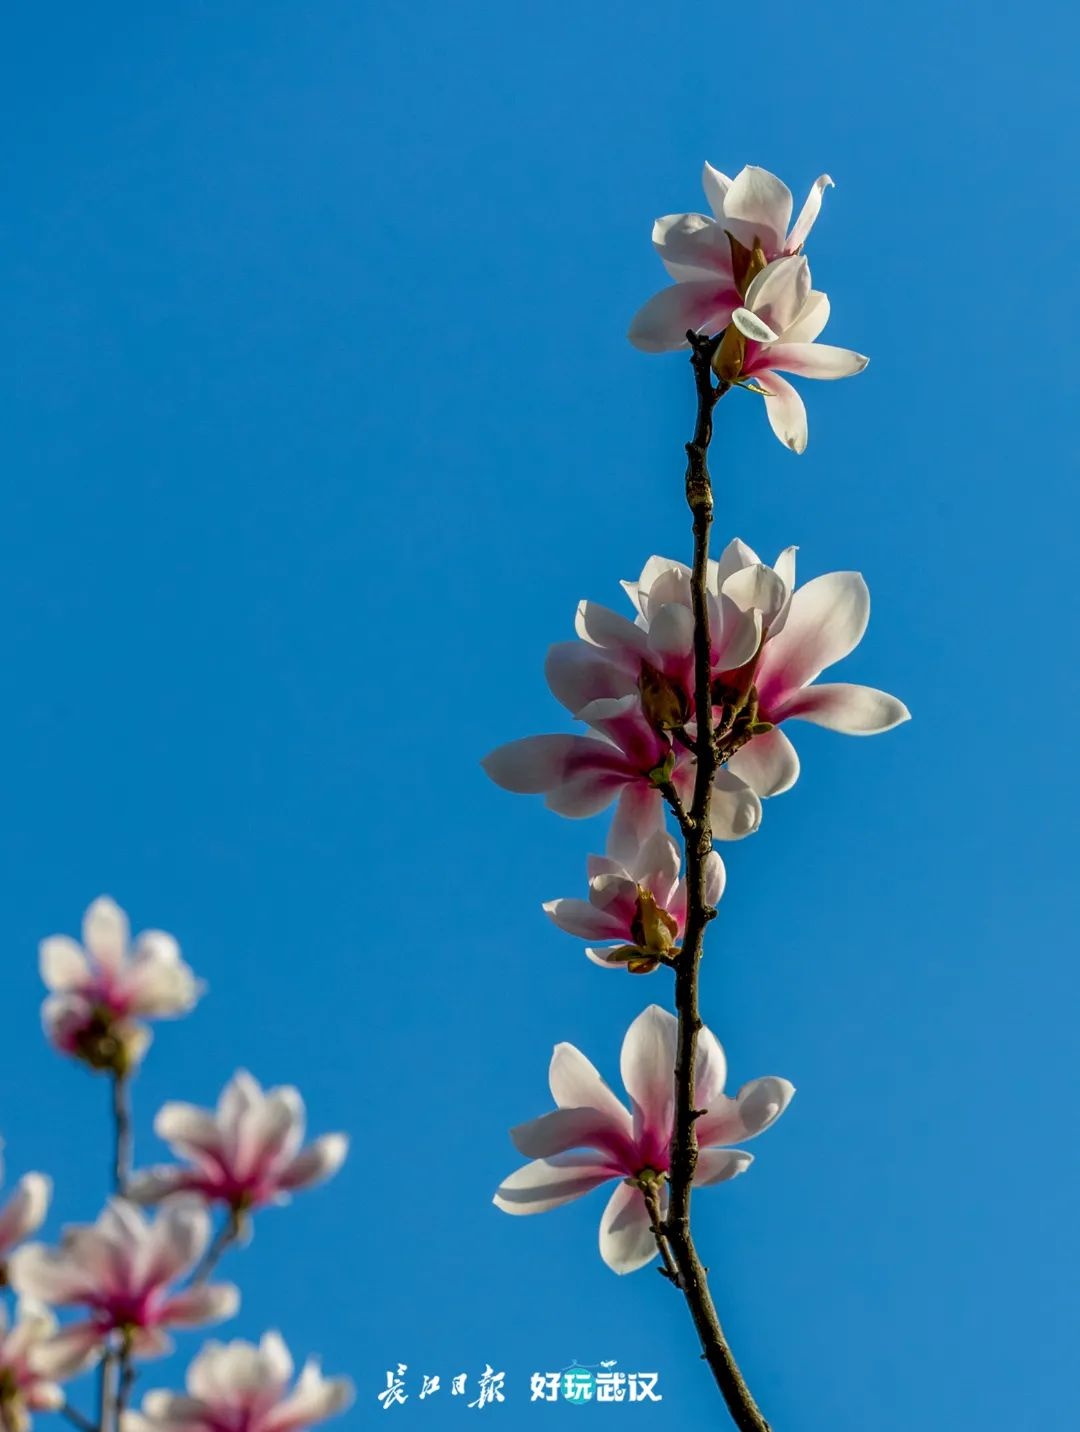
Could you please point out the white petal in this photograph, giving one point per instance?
(736, 809)
(602, 627)
(626, 1238)
(693, 247)
(769, 764)
(718, 1165)
(206, 1303)
(578, 917)
(533, 764)
(710, 1069)
(758, 205)
(826, 621)
(715, 877)
(638, 815)
(784, 409)
(661, 325)
(566, 1129)
(105, 932)
(757, 588)
(63, 964)
(319, 1161)
(25, 1210)
(735, 556)
(752, 327)
(809, 212)
(315, 1399)
(812, 318)
(578, 673)
(575, 1083)
(815, 360)
(671, 634)
(754, 1108)
(780, 292)
(716, 186)
(548, 1183)
(840, 706)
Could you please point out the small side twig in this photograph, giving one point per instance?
(656, 1228)
(122, 1158)
(77, 1418)
(225, 1237)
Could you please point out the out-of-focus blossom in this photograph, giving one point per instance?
(244, 1387)
(245, 1154)
(634, 1147)
(713, 259)
(774, 332)
(23, 1212)
(636, 896)
(102, 989)
(28, 1367)
(122, 1270)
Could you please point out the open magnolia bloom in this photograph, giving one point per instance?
(24, 1212)
(28, 1368)
(774, 332)
(634, 1146)
(101, 989)
(243, 1387)
(709, 257)
(636, 895)
(246, 1153)
(122, 1269)
(769, 643)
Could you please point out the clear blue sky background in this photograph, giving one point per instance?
(317, 420)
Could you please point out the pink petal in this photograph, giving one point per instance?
(647, 1064)
(207, 1303)
(548, 1183)
(566, 1129)
(575, 1083)
(661, 325)
(816, 360)
(826, 621)
(840, 706)
(693, 248)
(578, 673)
(578, 917)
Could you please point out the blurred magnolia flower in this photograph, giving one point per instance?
(24, 1212)
(711, 259)
(121, 1269)
(774, 332)
(634, 1147)
(636, 895)
(101, 989)
(241, 1387)
(27, 1367)
(245, 1154)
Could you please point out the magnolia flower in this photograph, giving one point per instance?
(636, 896)
(774, 332)
(101, 989)
(121, 1269)
(634, 1147)
(24, 1212)
(246, 1154)
(709, 258)
(241, 1387)
(769, 644)
(27, 1368)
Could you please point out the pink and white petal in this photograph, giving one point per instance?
(149, 1343)
(46, 1274)
(105, 933)
(716, 186)
(784, 567)
(575, 1083)
(780, 292)
(735, 635)
(671, 637)
(769, 764)
(710, 1069)
(627, 1242)
(715, 877)
(661, 325)
(663, 579)
(25, 1210)
(758, 206)
(534, 764)
(313, 1400)
(206, 1303)
(580, 918)
(647, 1065)
(784, 409)
(719, 1165)
(808, 214)
(826, 621)
(611, 631)
(587, 791)
(152, 1185)
(638, 815)
(44, 1397)
(736, 809)
(189, 1131)
(841, 706)
(69, 1351)
(693, 247)
(549, 1183)
(601, 955)
(566, 1129)
(657, 867)
(177, 1239)
(754, 1108)
(816, 360)
(63, 964)
(578, 673)
(812, 318)
(319, 1161)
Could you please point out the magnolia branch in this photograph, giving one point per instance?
(674, 1235)
(121, 1103)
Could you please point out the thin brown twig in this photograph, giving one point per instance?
(226, 1235)
(698, 841)
(122, 1157)
(656, 1228)
(77, 1419)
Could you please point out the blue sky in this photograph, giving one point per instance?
(317, 420)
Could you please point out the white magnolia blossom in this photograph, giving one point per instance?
(243, 1387)
(24, 1212)
(28, 1368)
